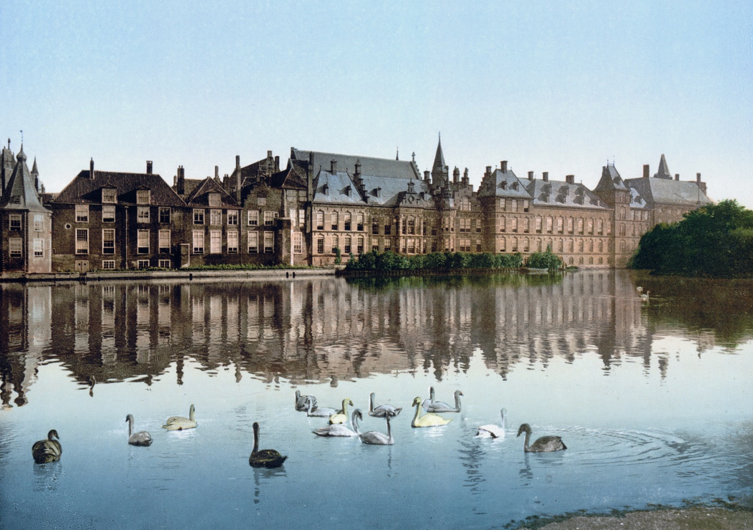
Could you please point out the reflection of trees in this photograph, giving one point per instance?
(332, 328)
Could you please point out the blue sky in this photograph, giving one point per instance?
(548, 86)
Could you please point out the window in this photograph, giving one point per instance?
(525, 205)
(198, 241)
(600, 226)
(164, 241)
(375, 244)
(502, 224)
(109, 195)
(359, 222)
(335, 220)
(526, 225)
(549, 225)
(569, 225)
(232, 242)
(15, 221)
(301, 217)
(164, 216)
(501, 204)
(465, 245)
(15, 245)
(334, 244)
(478, 225)
(261, 201)
(514, 205)
(108, 241)
(142, 241)
(38, 247)
(388, 244)
(164, 264)
(411, 225)
(525, 245)
(320, 245)
(590, 226)
(465, 204)
(359, 247)
(108, 264)
(269, 218)
(538, 225)
(142, 214)
(198, 217)
(215, 217)
(320, 220)
(142, 197)
(215, 241)
(580, 225)
(108, 213)
(253, 242)
(347, 221)
(82, 240)
(214, 199)
(387, 228)
(514, 224)
(253, 218)
(347, 244)
(298, 243)
(82, 213)
(232, 217)
(560, 224)
(38, 222)
(142, 264)
(269, 242)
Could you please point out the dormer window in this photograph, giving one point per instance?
(346, 191)
(325, 189)
(142, 196)
(109, 195)
(214, 200)
(377, 192)
(503, 185)
(515, 186)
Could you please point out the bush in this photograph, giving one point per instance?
(544, 260)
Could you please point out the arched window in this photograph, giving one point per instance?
(346, 219)
(320, 220)
(334, 244)
(359, 222)
(334, 218)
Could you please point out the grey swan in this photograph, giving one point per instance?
(494, 431)
(141, 438)
(46, 451)
(268, 458)
(545, 444)
(338, 429)
(373, 437)
(319, 412)
(300, 401)
(438, 406)
(382, 410)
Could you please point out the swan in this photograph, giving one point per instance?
(342, 416)
(48, 450)
(319, 412)
(142, 438)
(179, 423)
(338, 429)
(373, 437)
(266, 457)
(639, 289)
(545, 444)
(644, 297)
(382, 410)
(300, 401)
(92, 382)
(438, 406)
(493, 431)
(427, 420)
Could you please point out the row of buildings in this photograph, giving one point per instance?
(321, 204)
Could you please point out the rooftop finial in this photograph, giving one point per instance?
(397, 154)
(22, 137)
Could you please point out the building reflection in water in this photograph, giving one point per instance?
(322, 329)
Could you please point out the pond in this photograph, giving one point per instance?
(652, 398)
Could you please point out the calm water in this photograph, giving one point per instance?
(653, 400)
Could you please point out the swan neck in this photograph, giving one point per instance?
(389, 429)
(528, 438)
(418, 412)
(345, 407)
(371, 402)
(256, 440)
(457, 400)
(354, 423)
(191, 413)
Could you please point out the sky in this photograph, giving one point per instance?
(563, 87)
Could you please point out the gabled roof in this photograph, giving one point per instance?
(83, 189)
(199, 195)
(663, 191)
(560, 193)
(503, 184)
(293, 177)
(610, 180)
(21, 193)
(382, 167)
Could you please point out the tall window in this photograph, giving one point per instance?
(514, 224)
(164, 241)
(320, 220)
(232, 242)
(514, 205)
(232, 217)
(411, 225)
(590, 226)
(142, 214)
(215, 217)
(164, 216)
(549, 225)
(269, 218)
(580, 225)
(38, 222)
(374, 225)
(387, 227)
(347, 221)
(359, 248)
(298, 243)
(253, 242)
(198, 217)
(198, 241)
(215, 241)
(38, 247)
(335, 221)
(320, 245)
(538, 225)
(359, 222)
(15, 221)
(560, 224)
(108, 241)
(269, 242)
(15, 245)
(334, 244)
(347, 245)
(502, 224)
(108, 213)
(82, 213)
(253, 218)
(569, 225)
(82, 240)
(142, 241)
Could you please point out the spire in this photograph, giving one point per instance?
(34, 170)
(663, 171)
(439, 164)
(21, 157)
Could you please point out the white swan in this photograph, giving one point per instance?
(427, 420)
(319, 412)
(49, 450)
(373, 437)
(644, 297)
(179, 423)
(494, 431)
(342, 416)
(338, 429)
(438, 406)
(300, 401)
(382, 410)
(639, 289)
(142, 438)
(545, 444)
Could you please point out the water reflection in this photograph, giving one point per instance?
(321, 329)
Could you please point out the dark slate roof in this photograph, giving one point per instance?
(610, 180)
(83, 189)
(559, 193)
(292, 177)
(503, 184)
(336, 188)
(21, 193)
(675, 192)
(663, 172)
(382, 167)
(199, 195)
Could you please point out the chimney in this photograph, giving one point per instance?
(148, 167)
(545, 176)
(181, 186)
(216, 172)
(488, 171)
(570, 179)
(333, 166)
(677, 176)
(91, 169)
(465, 177)
(700, 183)
(277, 164)
(357, 174)
(237, 160)
(427, 176)
(269, 153)
(530, 175)
(503, 166)
(645, 171)
(455, 175)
